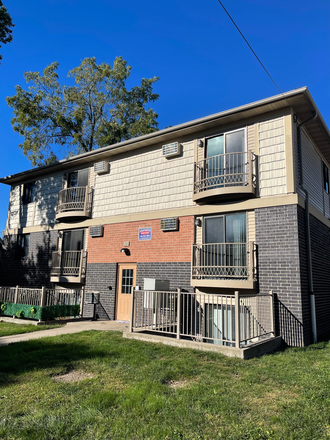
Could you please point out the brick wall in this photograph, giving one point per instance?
(320, 246)
(101, 276)
(31, 271)
(279, 252)
(163, 247)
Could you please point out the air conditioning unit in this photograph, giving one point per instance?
(169, 224)
(101, 167)
(171, 150)
(96, 231)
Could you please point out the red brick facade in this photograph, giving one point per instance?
(169, 246)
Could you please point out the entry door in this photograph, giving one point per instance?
(126, 280)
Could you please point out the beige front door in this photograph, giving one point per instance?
(126, 279)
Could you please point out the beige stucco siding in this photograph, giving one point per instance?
(272, 175)
(145, 181)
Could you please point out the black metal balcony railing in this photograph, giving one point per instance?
(225, 170)
(224, 261)
(76, 200)
(69, 264)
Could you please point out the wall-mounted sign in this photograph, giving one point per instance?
(144, 234)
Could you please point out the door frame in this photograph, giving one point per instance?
(121, 266)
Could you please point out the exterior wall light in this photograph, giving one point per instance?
(126, 251)
(198, 222)
(200, 143)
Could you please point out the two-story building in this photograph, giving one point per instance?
(236, 201)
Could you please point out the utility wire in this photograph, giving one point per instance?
(250, 47)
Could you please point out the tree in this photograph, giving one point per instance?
(5, 25)
(96, 111)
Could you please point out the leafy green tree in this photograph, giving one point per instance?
(5, 25)
(98, 110)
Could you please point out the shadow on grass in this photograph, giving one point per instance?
(45, 353)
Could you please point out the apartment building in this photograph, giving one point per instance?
(235, 201)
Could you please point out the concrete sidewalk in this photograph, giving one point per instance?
(69, 328)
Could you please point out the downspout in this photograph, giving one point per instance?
(307, 231)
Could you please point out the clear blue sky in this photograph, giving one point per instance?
(203, 63)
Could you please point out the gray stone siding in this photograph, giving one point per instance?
(320, 246)
(30, 271)
(277, 238)
(101, 276)
(178, 274)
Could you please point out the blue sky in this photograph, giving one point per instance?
(203, 64)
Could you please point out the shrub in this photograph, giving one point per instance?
(20, 314)
(3, 307)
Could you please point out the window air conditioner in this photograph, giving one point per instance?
(101, 167)
(169, 224)
(96, 231)
(171, 150)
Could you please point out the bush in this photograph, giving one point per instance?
(3, 307)
(20, 314)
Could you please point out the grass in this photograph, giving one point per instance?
(147, 391)
(9, 328)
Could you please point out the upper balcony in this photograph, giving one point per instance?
(225, 176)
(224, 265)
(74, 203)
(68, 267)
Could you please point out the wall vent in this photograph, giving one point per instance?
(169, 224)
(171, 150)
(96, 231)
(101, 167)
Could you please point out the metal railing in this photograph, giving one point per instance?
(69, 263)
(225, 170)
(75, 199)
(63, 297)
(207, 318)
(40, 297)
(224, 261)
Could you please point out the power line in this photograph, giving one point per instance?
(250, 47)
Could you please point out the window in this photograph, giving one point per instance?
(325, 178)
(29, 193)
(78, 178)
(225, 159)
(23, 244)
(225, 244)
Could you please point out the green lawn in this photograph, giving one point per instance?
(9, 328)
(137, 390)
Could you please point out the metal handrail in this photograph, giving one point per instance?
(75, 199)
(69, 263)
(225, 170)
(231, 320)
(224, 261)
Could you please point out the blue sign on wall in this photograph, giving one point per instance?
(144, 234)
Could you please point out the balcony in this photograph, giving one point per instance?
(230, 175)
(224, 265)
(74, 203)
(68, 267)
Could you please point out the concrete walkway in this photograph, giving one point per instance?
(69, 328)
